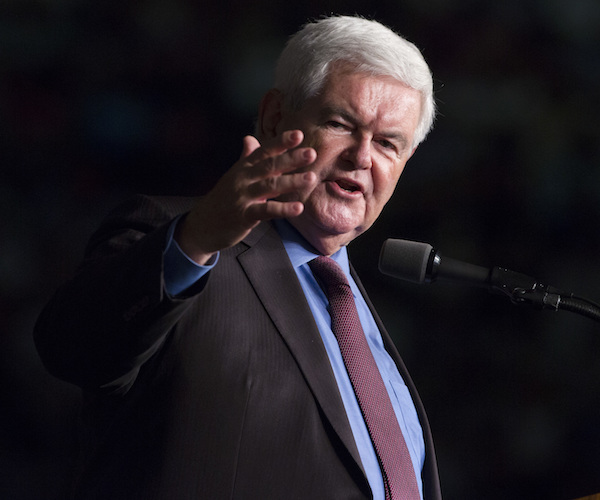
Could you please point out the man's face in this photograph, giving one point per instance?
(362, 128)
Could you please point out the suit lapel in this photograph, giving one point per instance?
(269, 270)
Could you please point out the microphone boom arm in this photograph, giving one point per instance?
(421, 263)
(522, 289)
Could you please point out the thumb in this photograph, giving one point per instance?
(249, 144)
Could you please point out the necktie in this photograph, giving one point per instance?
(394, 458)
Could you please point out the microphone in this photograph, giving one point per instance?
(421, 263)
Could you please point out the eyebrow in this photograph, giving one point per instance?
(331, 110)
(327, 111)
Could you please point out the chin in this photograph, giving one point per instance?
(338, 227)
(341, 234)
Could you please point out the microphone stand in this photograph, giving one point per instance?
(421, 263)
(521, 289)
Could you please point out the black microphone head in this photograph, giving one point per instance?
(405, 259)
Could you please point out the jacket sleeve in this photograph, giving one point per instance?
(113, 315)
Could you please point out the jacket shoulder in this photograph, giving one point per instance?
(133, 219)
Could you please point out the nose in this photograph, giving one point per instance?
(359, 153)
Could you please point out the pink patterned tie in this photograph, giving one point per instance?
(394, 459)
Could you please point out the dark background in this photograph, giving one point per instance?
(100, 99)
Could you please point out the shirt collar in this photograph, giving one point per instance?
(300, 251)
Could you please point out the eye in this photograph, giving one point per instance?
(336, 125)
(386, 144)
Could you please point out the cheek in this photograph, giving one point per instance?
(326, 157)
(313, 137)
(384, 182)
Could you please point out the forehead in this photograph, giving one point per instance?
(369, 97)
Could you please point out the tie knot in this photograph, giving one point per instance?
(330, 274)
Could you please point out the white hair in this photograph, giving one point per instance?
(308, 56)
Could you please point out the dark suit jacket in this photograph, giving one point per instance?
(224, 393)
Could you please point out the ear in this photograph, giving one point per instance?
(269, 114)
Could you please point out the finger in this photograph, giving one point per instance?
(275, 166)
(277, 146)
(273, 209)
(272, 187)
(249, 145)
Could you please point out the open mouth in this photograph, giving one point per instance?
(348, 186)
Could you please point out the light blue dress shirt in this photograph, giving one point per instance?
(181, 272)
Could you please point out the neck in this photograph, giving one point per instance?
(324, 243)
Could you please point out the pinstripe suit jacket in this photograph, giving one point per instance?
(226, 392)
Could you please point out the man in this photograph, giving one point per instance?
(199, 332)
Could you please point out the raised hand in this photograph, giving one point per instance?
(246, 195)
